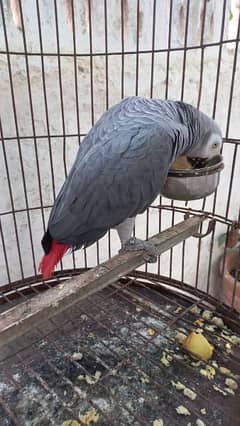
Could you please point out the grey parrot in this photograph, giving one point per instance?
(119, 170)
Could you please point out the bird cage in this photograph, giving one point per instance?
(106, 351)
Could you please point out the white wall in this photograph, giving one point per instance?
(33, 154)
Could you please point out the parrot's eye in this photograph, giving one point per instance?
(215, 145)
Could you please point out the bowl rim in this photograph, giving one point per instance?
(204, 171)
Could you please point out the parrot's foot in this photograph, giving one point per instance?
(134, 244)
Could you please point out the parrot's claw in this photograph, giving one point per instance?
(134, 244)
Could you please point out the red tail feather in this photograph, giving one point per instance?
(50, 260)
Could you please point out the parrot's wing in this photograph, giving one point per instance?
(111, 182)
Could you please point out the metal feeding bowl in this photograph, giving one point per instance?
(194, 183)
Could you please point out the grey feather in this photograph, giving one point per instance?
(122, 165)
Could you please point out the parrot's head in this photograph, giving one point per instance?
(208, 142)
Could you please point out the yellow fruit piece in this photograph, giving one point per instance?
(181, 163)
(89, 417)
(151, 332)
(70, 423)
(198, 345)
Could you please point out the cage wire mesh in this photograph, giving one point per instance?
(63, 63)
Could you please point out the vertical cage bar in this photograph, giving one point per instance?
(91, 85)
(60, 93)
(107, 90)
(5, 253)
(137, 47)
(12, 205)
(45, 98)
(185, 51)
(229, 116)
(169, 47)
(153, 48)
(203, 18)
(60, 86)
(123, 6)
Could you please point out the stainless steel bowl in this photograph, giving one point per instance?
(193, 184)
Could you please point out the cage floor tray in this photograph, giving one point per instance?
(114, 360)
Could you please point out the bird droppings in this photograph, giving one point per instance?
(214, 364)
(178, 310)
(77, 356)
(178, 385)
(199, 422)
(232, 384)
(91, 380)
(207, 315)
(190, 394)
(166, 359)
(210, 328)
(228, 348)
(89, 417)
(196, 363)
(218, 389)
(195, 310)
(199, 322)
(158, 422)
(203, 411)
(183, 410)
(218, 322)
(71, 423)
(235, 340)
(225, 371)
(180, 337)
(229, 391)
(178, 356)
(186, 391)
(144, 380)
(208, 372)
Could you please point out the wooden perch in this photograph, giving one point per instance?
(18, 320)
